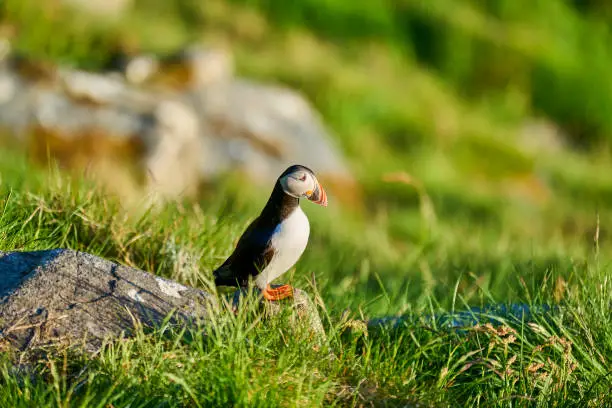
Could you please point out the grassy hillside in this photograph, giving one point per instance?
(432, 103)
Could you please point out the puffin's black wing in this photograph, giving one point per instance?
(252, 254)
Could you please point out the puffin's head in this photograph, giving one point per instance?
(300, 182)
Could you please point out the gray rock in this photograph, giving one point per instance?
(174, 160)
(211, 124)
(16, 103)
(59, 113)
(104, 89)
(63, 298)
(262, 128)
(82, 104)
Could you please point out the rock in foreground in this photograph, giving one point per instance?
(63, 297)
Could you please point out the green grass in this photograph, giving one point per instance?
(563, 361)
(437, 90)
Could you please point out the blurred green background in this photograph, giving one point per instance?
(474, 127)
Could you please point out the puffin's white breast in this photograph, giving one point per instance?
(289, 242)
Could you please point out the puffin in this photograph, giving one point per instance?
(276, 239)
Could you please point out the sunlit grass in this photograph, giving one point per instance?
(561, 357)
(458, 211)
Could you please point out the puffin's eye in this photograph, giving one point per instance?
(303, 178)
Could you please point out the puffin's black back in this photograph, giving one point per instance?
(254, 250)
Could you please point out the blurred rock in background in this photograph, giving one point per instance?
(164, 124)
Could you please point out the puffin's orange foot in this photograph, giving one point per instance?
(278, 293)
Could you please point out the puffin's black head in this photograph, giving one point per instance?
(299, 181)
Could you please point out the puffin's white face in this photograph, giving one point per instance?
(303, 184)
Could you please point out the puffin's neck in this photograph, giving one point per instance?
(280, 205)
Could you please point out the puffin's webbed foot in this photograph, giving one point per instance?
(278, 293)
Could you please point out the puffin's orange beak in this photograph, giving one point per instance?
(318, 196)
